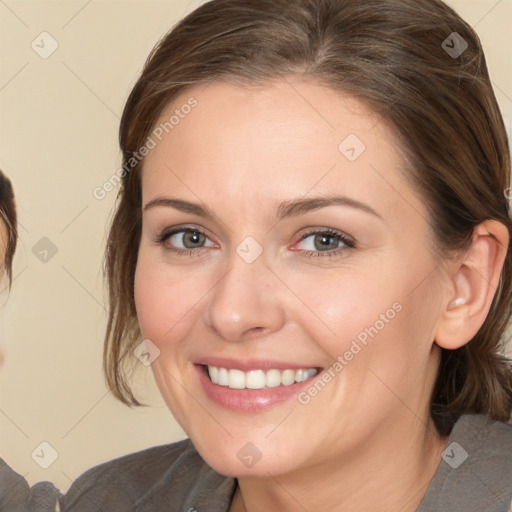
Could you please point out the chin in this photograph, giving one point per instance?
(237, 458)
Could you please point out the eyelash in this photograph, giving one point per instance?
(165, 235)
(331, 233)
(348, 242)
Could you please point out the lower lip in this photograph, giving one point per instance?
(250, 400)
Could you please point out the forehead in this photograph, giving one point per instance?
(284, 138)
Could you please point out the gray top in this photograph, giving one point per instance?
(474, 475)
(17, 496)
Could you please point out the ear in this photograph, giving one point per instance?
(473, 281)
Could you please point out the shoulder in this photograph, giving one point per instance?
(475, 470)
(148, 462)
(158, 474)
(122, 481)
(17, 496)
(486, 439)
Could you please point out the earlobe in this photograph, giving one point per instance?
(473, 281)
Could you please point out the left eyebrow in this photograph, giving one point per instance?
(302, 206)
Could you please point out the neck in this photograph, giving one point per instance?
(387, 471)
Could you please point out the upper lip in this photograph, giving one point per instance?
(250, 364)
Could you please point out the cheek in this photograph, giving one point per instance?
(381, 318)
(164, 300)
(337, 307)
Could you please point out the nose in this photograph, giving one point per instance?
(245, 301)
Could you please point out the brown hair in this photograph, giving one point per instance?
(9, 217)
(394, 55)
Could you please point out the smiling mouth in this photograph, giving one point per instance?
(257, 379)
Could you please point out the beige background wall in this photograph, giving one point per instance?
(58, 141)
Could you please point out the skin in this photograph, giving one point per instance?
(367, 437)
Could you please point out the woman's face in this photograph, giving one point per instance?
(280, 234)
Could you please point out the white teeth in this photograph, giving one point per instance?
(288, 377)
(258, 379)
(300, 375)
(255, 379)
(223, 377)
(273, 378)
(236, 379)
(214, 374)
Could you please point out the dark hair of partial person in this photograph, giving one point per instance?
(9, 217)
(389, 54)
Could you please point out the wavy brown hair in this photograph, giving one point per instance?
(390, 54)
(9, 217)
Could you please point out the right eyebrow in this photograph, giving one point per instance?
(181, 205)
